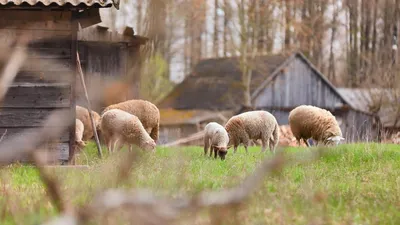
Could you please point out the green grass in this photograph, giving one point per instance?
(356, 184)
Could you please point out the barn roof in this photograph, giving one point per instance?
(170, 117)
(99, 3)
(374, 100)
(215, 83)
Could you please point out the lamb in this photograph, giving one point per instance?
(119, 127)
(79, 130)
(216, 136)
(312, 122)
(253, 125)
(83, 115)
(147, 112)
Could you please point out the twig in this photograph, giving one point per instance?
(78, 61)
(2, 136)
(163, 210)
(53, 188)
(16, 61)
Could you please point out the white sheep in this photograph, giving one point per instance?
(217, 138)
(147, 112)
(119, 127)
(312, 122)
(79, 129)
(253, 125)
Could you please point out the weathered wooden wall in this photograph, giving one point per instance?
(37, 91)
(102, 63)
(296, 85)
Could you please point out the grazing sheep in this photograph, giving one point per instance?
(253, 125)
(83, 115)
(119, 127)
(216, 136)
(312, 122)
(146, 111)
(79, 129)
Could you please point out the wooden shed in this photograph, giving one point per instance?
(47, 79)
(279, 84)
(106, 57)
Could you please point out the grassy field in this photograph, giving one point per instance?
(356, 184)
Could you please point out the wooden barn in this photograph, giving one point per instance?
(106, 57)
(279, 83)
(46, 81)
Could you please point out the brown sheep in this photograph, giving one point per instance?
(82, 114)
(312, 122)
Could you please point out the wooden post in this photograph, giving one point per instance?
(96, 137)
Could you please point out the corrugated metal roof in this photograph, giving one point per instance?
(381, 101)
(102, 3)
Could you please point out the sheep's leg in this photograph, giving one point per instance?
(235, 148)
(206, 145)
(215, 153)
(211, 150)
(130, 148)
(245, 147)
(119, 144)
(264, 143)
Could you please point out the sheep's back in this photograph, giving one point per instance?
(310, 122)
(146, 111)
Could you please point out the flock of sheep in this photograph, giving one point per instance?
(136, 122)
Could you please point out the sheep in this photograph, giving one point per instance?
(216, 136)
(253, 125)
(119, 127)
(312, 122)
(146, 111)
(83, 115)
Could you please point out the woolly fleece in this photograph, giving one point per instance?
(83, 115)
(146, 111)
(79, 128)
(308, 121)
(253, 125)
(122, 127)
(216, 137)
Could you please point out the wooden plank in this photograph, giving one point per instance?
(44, 76)
(8, 36)
(49, 53)
(74, 50)
(23, 117)
(47, 65)
(62, 25)
(60, 150)
(12, 132)
(38, 15)
(37, 96)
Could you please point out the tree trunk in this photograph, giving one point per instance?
(216, 39)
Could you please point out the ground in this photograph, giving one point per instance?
(356, 184)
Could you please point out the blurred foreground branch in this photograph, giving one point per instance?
(148, 208)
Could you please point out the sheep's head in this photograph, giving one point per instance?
(150, 145)
(333, 140)
(222, 151)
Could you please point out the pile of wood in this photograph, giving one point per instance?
(286, 137)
